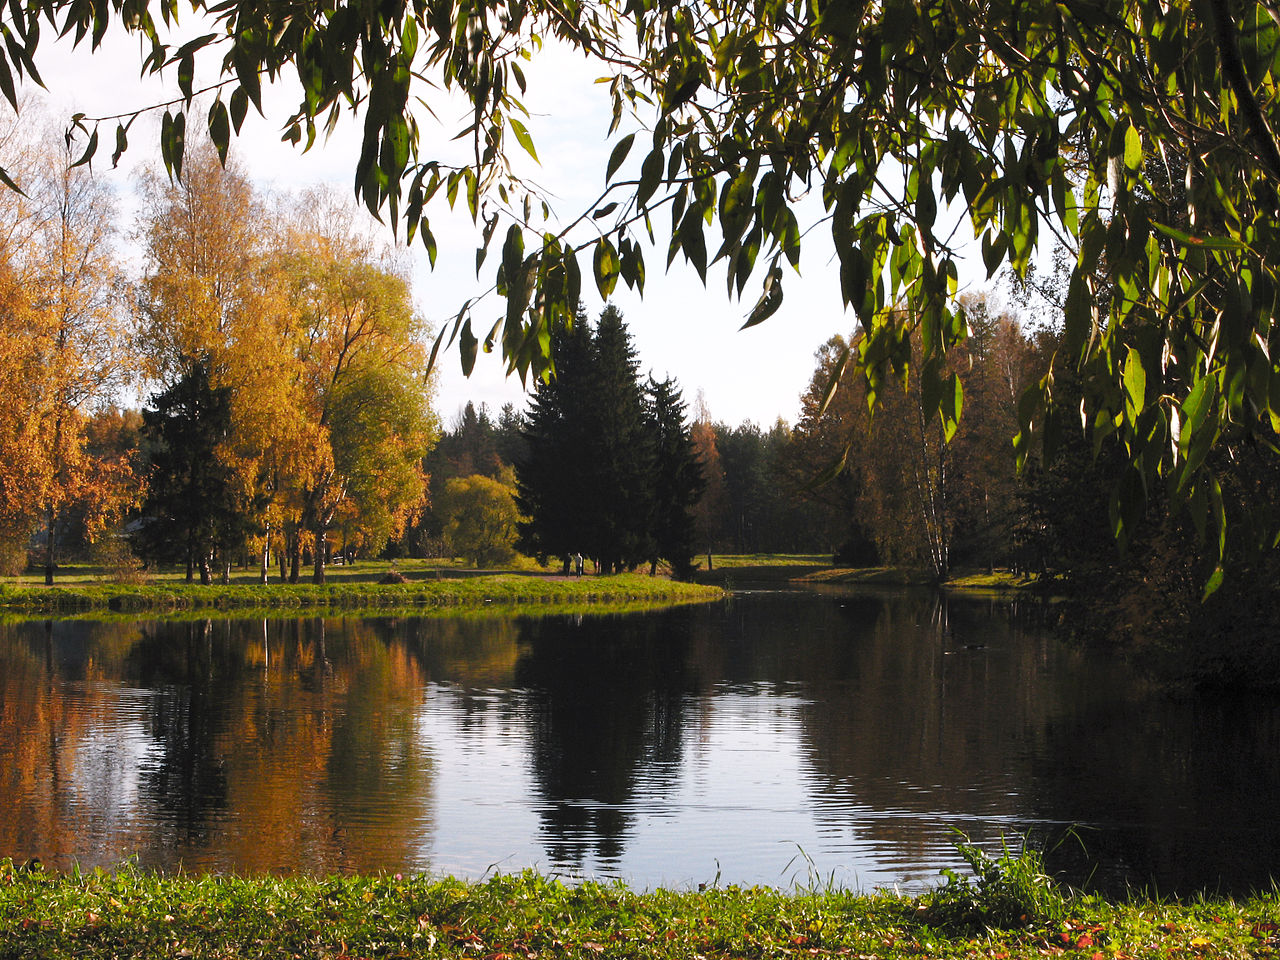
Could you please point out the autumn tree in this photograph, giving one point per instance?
(833, 432)
(362, 389)
(212, 296)
(66, 343)
(707, 512)
(997, 361)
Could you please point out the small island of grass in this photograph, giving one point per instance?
(364, 586)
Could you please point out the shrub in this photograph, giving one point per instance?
(1008, 890)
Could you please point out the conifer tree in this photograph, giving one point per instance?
(608, 470)
(679, 482)
(621, 446)
(195, 506)
(551, 484)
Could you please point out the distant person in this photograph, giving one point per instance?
(577, 563)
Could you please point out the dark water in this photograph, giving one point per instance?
(771, 739)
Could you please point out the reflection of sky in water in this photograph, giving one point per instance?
(742, 804)
(775, 741)
(107, 759)
(480, 810)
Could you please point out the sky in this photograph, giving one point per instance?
(680, 328)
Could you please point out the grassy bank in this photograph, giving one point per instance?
(728, 570)
(504, 589)
(525, 917)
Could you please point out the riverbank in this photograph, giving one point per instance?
(507, 589)
(132, 913)
(817, 569)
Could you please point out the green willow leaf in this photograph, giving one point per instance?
(618, 156)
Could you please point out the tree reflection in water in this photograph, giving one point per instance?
(861, 726)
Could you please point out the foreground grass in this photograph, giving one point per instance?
(524, 917)
(504, 589)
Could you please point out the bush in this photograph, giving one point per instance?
(1010, 890)
(113, 553)
(13, 556)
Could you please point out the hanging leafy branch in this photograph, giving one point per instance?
(1138, 135)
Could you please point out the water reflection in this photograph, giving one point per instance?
(605, 711)
(659, 748)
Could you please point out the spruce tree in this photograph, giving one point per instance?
(678, 482)
(551, 479)
(608, 468)
(621, 447)
(193, 507)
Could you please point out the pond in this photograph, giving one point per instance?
(775, 738)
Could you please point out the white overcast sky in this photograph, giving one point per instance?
(680, 328)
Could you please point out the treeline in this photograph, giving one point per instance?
(905, 494)
(608, 447)
(288, 406)
(909, 496)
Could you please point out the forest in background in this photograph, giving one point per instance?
(291, 419)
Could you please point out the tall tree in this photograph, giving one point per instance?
(362, 387)
(195, 505)
(589, 480)
(555, 478)
(66, 342)
(708, 511)
(624, 463)
(833, 429)
(678, 482)
(211, 294)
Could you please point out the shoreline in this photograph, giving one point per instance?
(500, 589)
(131, 912)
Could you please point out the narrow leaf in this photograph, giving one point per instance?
(618, 155)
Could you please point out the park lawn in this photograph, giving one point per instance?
(362, 571)
(503, 589)
(135, 914)
(811, 569)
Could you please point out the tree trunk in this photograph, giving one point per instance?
(317, 575)
(265, 565)
(206, 572)
(50, 556)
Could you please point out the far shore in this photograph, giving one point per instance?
(409, 585)
(412, 585)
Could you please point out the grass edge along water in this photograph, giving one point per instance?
(131, 912)
(473, 591)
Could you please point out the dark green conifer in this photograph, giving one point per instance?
(678, 481)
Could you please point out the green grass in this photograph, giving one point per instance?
(135, 914)
(754, 560)
(816, 568)
(509, 589)
(362, 571)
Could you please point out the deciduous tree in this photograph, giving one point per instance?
(363, 391)
(66, 343)
(480, 517)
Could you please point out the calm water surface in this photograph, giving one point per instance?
(764, 739)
